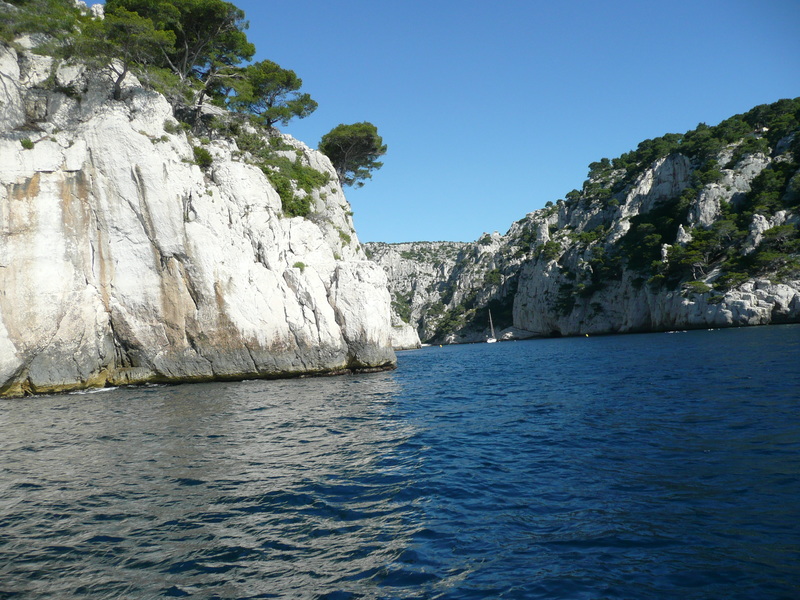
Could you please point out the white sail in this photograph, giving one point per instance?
(491, 339)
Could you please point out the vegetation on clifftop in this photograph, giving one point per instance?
(196, 53)
(710, 259)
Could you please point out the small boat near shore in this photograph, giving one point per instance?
(491, 339)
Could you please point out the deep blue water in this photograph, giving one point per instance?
(640, 466)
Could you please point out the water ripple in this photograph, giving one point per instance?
(650, 466)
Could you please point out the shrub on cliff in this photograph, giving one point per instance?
(56, 19)
(202, 157)
(550, 250)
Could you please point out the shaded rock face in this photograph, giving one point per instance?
(121, 261)
(545, 275)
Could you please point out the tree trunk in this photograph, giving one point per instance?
(118, 82)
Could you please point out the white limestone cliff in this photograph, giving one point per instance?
(538, 278)
(404, 336)
(628, 304)
(121, 261)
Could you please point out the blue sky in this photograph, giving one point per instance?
(490, 109)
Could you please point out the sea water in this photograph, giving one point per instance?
(642, 466)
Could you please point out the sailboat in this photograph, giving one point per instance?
(491, 339)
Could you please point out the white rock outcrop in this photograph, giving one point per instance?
(121, 261)
(404, 337)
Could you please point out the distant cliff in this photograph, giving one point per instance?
(132, 251)
(687, 231)
(420, 275)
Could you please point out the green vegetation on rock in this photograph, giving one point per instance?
(717, 247)
(292, 178)
(55, 19)
(401, 304)
(120, 42)
(202, 157)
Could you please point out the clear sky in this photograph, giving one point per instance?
(492, 108)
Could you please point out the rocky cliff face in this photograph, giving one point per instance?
(694, 238)
(419, 273)
(561, 293)
(122, 261)
(445, 289)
